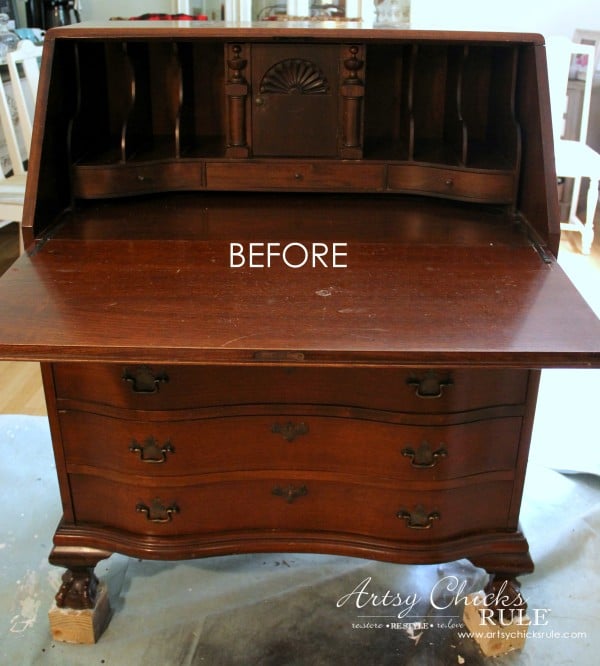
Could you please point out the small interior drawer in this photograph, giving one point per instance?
(297, 175)
(110, 180)
(493, 187)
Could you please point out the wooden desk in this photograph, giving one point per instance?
(382, 409)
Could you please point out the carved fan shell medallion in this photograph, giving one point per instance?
(294, 76)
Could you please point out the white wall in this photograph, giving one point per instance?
(560, 17)
(545, 16)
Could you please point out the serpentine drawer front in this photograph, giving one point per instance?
(378, 407)
(306, 505)
(358, 459)
(228, 451)
(420, 390)
(163, 445)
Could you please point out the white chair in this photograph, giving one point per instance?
(12, 186)
(12, 121)
(27, 55)
(573, 157)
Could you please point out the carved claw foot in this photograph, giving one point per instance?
(503, 596)
(78, 590)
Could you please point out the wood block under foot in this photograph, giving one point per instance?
(494, 637)
(81, 626)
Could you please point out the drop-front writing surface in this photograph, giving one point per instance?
(220, 278)
(292, 289)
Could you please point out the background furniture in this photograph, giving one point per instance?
(47, 14)
(574, 157)
(13, 174)
(381, 410)
(16, 117)
(24, 70)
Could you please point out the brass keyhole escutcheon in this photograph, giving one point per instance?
(290, 430)
(290, 493)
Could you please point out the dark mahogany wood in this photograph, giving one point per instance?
(493, 304)
(382, 408)
(419, 453)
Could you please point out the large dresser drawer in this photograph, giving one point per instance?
(289, 441)
(385, 388)
(270, 503)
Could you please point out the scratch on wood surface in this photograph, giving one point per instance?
(241, 337)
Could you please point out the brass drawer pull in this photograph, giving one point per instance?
(429, 386)
(290, 493)
(151, 452)
(419, 519)
(157, 512)
(424, 457)
(289, 431)
(144, 380)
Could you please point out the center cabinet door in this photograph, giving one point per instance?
(295, 100)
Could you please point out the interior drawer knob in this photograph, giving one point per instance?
(144, 380)
(291, 493)
(418, 519)
(424, 456)
(289, 431)
(150, 451)
(157, 512)
(429, 385)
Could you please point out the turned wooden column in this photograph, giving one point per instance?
(352, 92)
(236, 90)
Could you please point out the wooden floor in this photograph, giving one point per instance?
(9, 247)
(21, 389)
(21, 383)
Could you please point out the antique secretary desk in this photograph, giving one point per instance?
(218, 380)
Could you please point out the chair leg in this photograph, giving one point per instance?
(587, 234)
(573, 217)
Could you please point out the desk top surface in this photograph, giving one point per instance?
(289, 29)
(425, 283)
